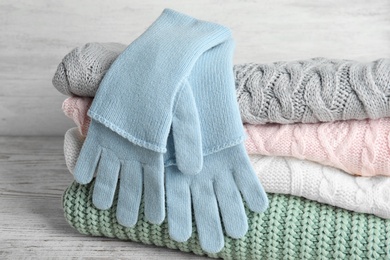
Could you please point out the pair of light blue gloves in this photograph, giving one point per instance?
(166, 113)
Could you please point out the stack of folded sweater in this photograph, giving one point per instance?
(318, 139)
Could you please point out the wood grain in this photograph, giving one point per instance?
(35, 35)
(33, 177)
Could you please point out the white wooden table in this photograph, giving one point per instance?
(33, 177)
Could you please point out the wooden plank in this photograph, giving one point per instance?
(33, 177)
(35, 35)
(33, 115)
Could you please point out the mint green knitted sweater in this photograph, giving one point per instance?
(292, 228)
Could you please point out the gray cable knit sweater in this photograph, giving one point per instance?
(308, 91)
(314, 90)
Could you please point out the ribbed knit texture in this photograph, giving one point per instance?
(286, 175)
(359, 147)
(292, 228)
(315, 90)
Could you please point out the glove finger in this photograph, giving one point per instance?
(231, 206)
(250, 187)
(130, 193)
(87, 161)
(178, 205)
(187, 133)
(106, 180)
(154, 191)
(207, 217)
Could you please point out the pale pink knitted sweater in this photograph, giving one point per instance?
(359, 147)
(76, 108)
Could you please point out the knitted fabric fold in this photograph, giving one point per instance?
(81, 70)
(76, 108)
(292, 228)
(313, 90)
(286, 175)
(358, 147)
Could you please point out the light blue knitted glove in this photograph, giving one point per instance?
(227, 171)
(141, 78)
(111, 156)
(138, 100)
(136, 97)
(214, 192)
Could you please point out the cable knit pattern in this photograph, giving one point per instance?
(82, 69)
(323, 184)
(308, 91)
(359, 147)
(301, 178)
(292, 228)
(314, 90)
